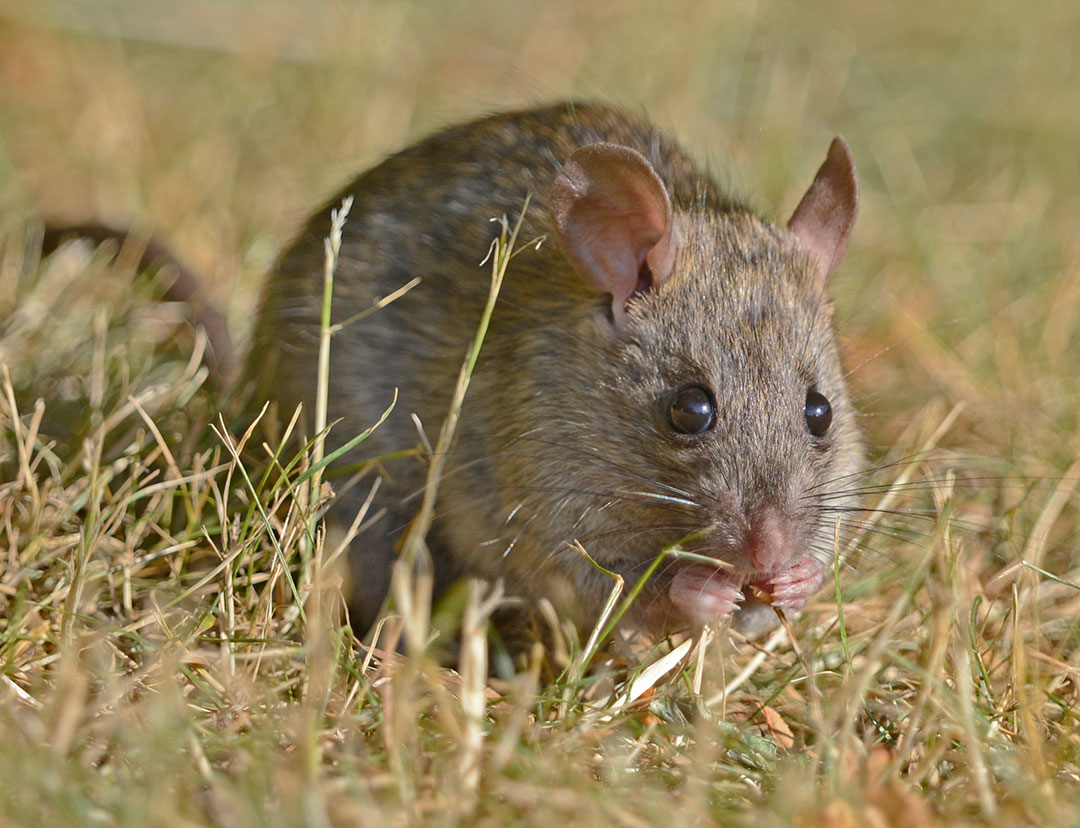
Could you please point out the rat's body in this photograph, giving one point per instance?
(581, 420)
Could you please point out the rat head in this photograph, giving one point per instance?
(719, 379)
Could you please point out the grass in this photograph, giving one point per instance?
(170, 636)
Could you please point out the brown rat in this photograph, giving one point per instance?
(664, 365)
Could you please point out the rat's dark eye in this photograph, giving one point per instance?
(692, 410)
(818, 413)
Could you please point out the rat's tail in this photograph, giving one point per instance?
(185, 288)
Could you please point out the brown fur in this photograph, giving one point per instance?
(563, 434)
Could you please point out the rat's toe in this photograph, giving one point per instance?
(703, 593)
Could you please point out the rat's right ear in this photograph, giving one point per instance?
(823, 220)
(613, 217)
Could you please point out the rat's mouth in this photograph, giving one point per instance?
(702, 592)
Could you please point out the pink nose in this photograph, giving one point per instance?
(768, 546)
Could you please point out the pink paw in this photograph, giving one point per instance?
(793, 587)
(703, 593)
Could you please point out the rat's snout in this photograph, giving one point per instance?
(768, 544)
(764, 549)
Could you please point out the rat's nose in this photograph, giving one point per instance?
(768, 546)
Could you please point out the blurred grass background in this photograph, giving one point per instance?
(221, 125)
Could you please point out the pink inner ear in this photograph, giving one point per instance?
(613, 217)
(823, 220)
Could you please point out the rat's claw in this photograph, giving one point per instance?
(793, 587)
(703, 593)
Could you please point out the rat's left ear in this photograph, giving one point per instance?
(823, 220)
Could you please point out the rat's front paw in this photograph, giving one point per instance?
(703, 593)
(793, 587)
